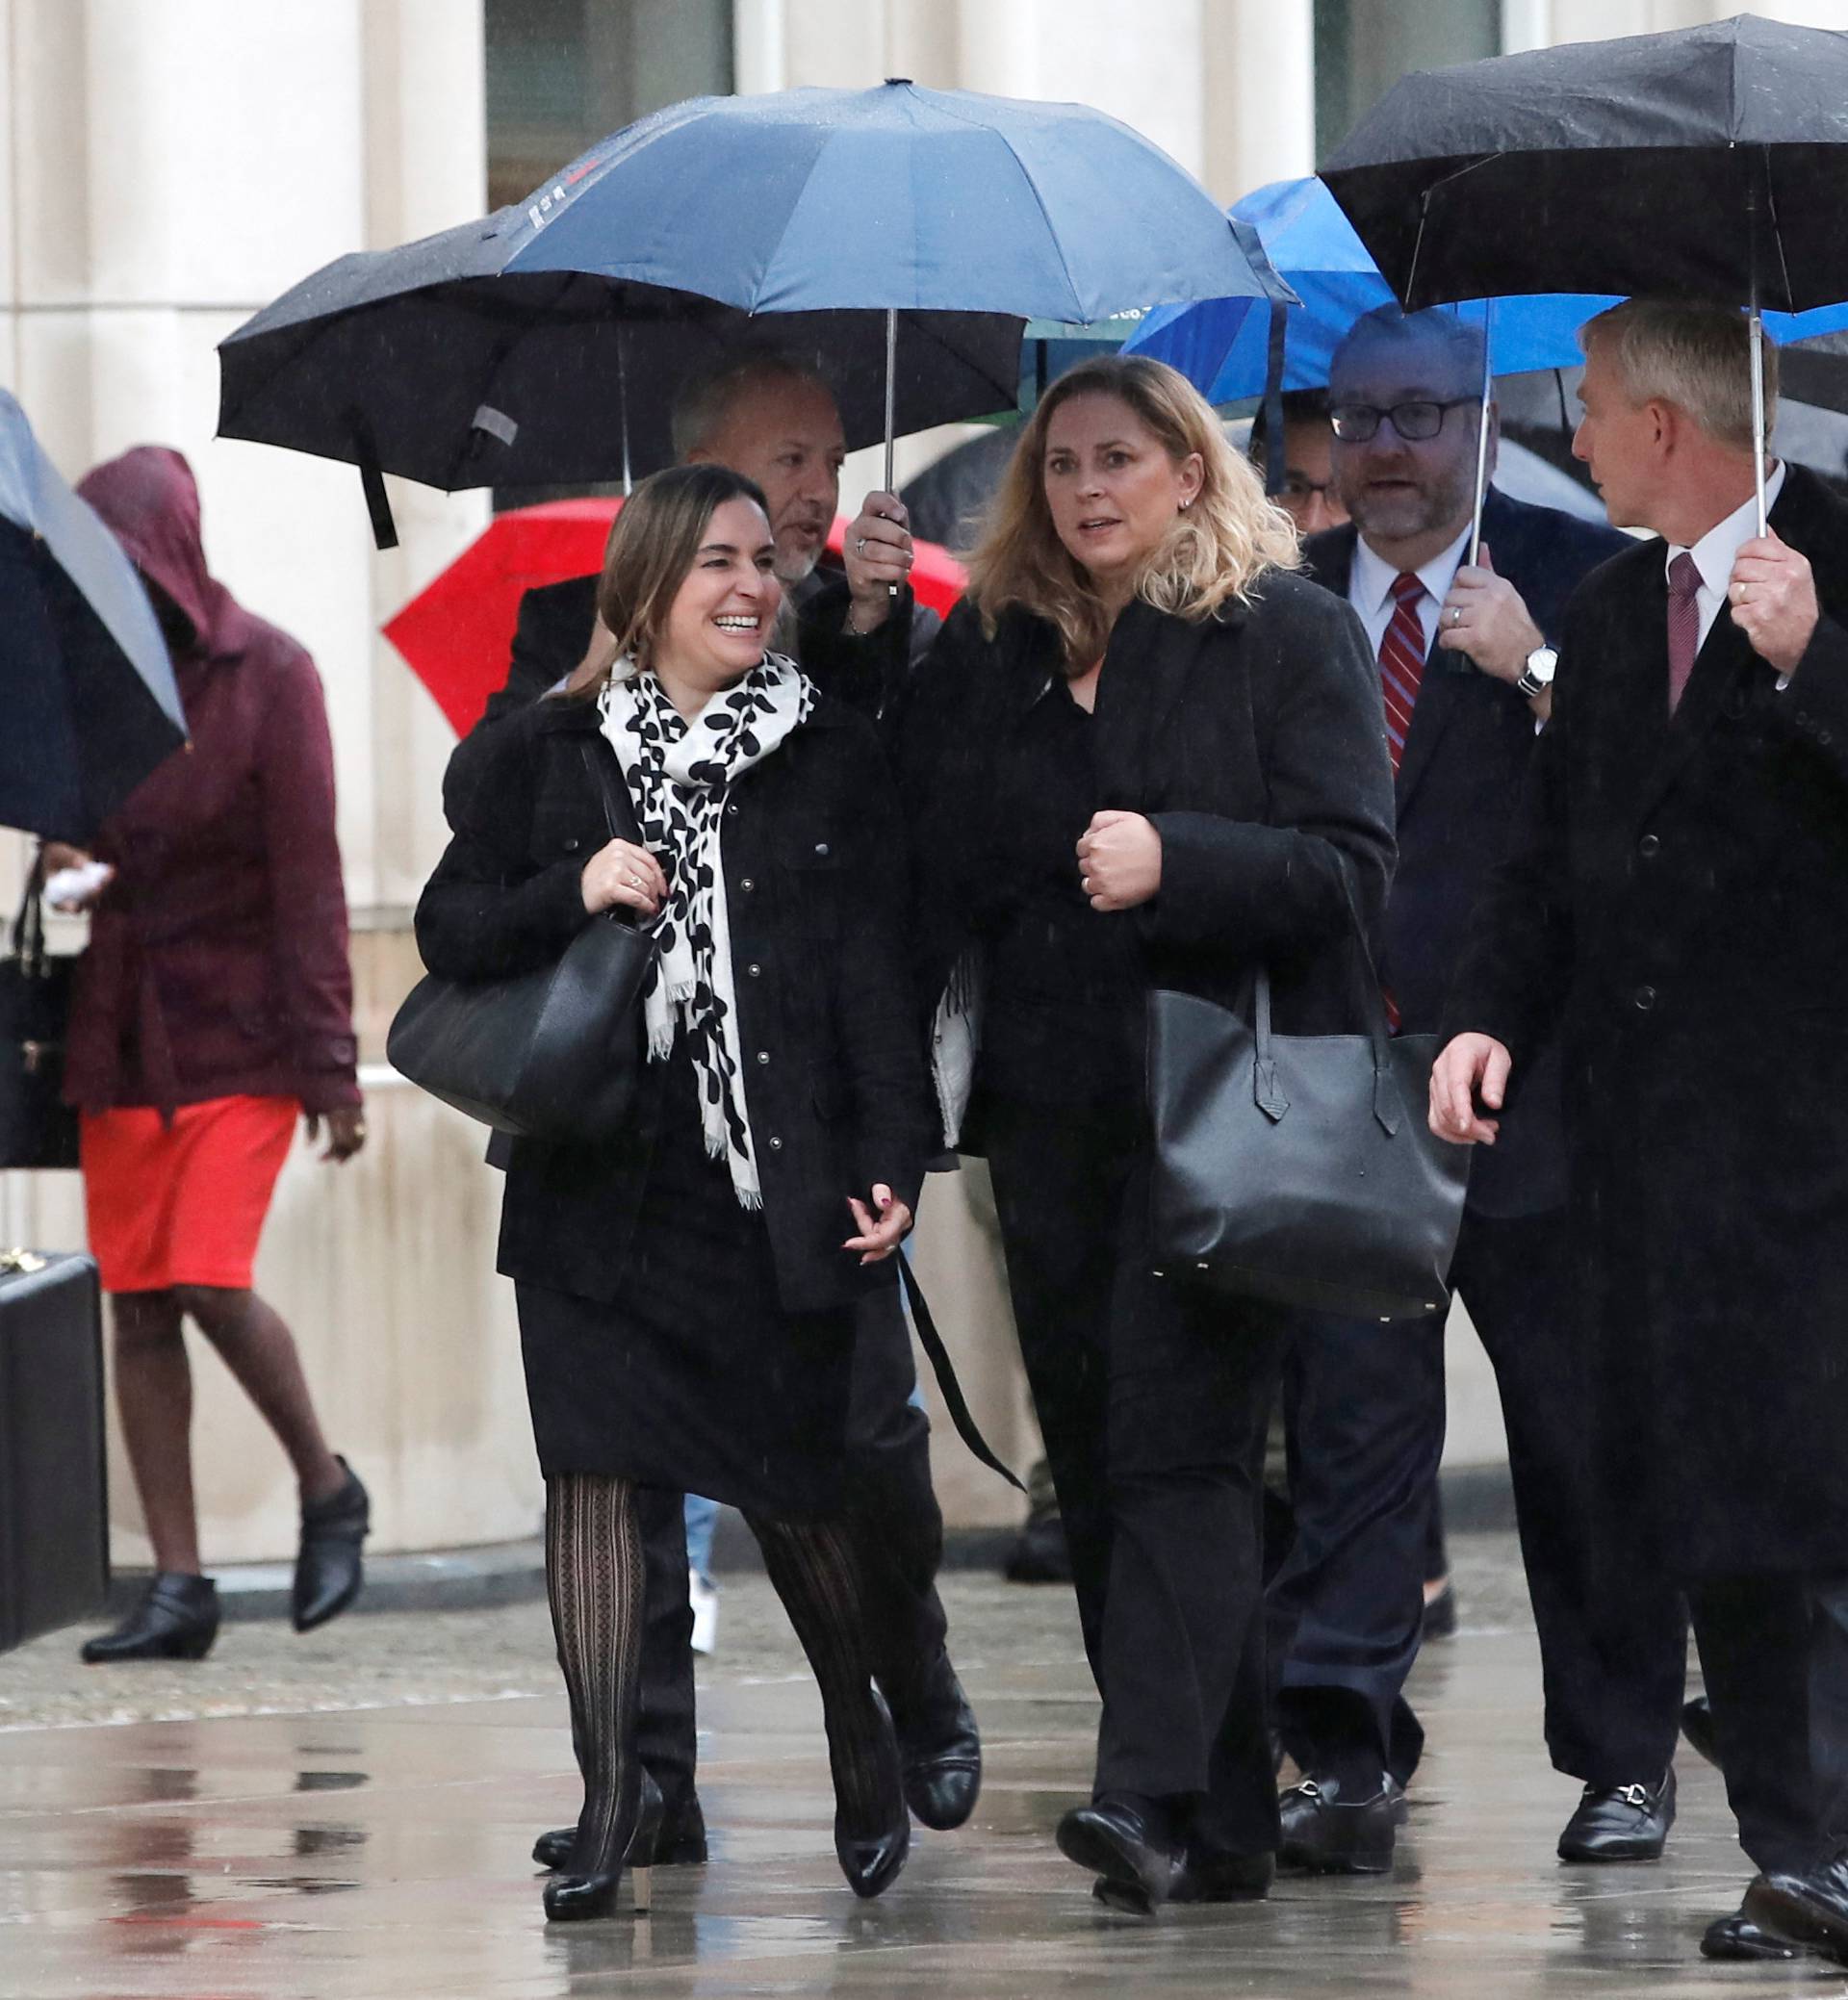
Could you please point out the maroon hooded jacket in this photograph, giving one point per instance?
(217, 962)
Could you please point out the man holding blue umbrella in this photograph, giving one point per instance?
(1464, 666)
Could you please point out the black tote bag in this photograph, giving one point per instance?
(1300, 1168)
(552, 1055)
(38, 1129)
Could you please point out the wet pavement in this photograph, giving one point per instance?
(348, 1818)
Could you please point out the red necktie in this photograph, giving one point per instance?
(1684, 625)
(1401, 662)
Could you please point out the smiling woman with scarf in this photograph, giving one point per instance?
(685, 1290)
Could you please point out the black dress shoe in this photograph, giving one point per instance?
(678, 1843)
(1439, 1614)
(1737, 1936)
(1811, 1910)
(871, 1849)
(1620, 1823)
(1134, 1864)
(177, 1619)
(1697, 1726)
(1208, 1875)
(1331, 1835)
(328, 1570)
(579, 1898)
(940, 1750)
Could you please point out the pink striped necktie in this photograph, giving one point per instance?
(1684, 625)
(1401, 662)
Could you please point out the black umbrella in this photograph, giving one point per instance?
(1707, 163)
(87, 700)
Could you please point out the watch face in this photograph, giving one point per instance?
(1542, 663)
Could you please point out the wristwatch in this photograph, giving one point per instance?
(1543, 663)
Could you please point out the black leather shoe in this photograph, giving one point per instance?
(940, 1750)
(328, 1570)
(1135, 1869)
(1810, 1910)
(678, 1843)
(1210, 1876)
(1697, 1726)
(1329, 1834)
(1620, 1823)
(572, 1899)
(177, 1619)
(872, 1853)
(1737, 1936)
(1439, 1614)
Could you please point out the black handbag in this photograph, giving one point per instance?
(552, 1055)
(1300, 1168)
(38, 1128)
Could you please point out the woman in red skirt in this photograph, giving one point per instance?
(213, 1008)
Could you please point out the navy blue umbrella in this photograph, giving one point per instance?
(918, 218)
(88, 701)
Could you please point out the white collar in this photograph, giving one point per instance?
(1718, 549)
(1374, 575)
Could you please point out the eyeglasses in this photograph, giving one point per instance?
(1356, 422)
(1299, 486)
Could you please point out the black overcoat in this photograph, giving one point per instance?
(1676, 900)
(835, 1083)
(1254, 740)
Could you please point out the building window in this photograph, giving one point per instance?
(1363, 47)
(563, 74)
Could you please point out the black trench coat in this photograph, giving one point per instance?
(1677, 892)
(835, 1081)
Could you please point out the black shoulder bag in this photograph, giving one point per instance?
(552, 1055)
(37, 1127)
(1300, 1168)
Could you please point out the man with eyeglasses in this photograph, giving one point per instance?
(1307, 493)
(1465, 671)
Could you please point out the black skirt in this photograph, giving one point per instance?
(695, 1378)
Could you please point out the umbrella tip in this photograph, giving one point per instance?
(893, 82)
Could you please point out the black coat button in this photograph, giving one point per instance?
(747, 884)
(1648, 847)
(1645, 998)
(821, 847)
(775, 1146)
(764, 1055)
(755, 971)
(572, 845)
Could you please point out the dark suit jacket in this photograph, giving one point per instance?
(1470, 744)
(834, 1082)
(1675, 902)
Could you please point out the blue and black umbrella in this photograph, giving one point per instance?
(87, 700)
(896, 236)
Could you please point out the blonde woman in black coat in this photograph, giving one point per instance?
(685, 1289)
(1141, 753)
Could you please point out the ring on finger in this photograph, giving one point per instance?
(860, 544)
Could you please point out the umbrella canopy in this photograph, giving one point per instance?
(457, 633)
(87, 700)
(546, 343)
(1707, 163)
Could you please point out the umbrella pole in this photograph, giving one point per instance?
(622, 411)
(891, 399)
(1482, 440)
(1757, 324)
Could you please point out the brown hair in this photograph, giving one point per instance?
(1214, 552)
(652, 546)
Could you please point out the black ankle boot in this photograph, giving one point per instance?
(177, 1619)
(577, 1898)
(678, 1843)
(328, 1570)
(871, 1844)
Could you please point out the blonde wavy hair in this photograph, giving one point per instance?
(1213, 554)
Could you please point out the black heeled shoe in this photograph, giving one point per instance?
(177, 1619)
(680, 1843)
(871, 1855)
(328, 1570)
(572, 1899)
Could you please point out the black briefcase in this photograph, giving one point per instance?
(54, 1507)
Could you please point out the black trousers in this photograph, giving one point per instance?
(893, 1523)
(1368, 1433)
(1153, 1397)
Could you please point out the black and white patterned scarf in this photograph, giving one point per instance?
(678, 772)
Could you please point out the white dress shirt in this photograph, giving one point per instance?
(1718, 549)
(1370, 588)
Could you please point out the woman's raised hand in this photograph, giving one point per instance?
(878, 1238)
(623, 873)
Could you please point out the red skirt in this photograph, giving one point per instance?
(182, 1204)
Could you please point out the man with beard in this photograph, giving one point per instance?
(776, 422)
(1465, 670)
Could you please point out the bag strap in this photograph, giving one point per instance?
(29, 922)
(599, 769)
(944, 1370)
(1267, 1092)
